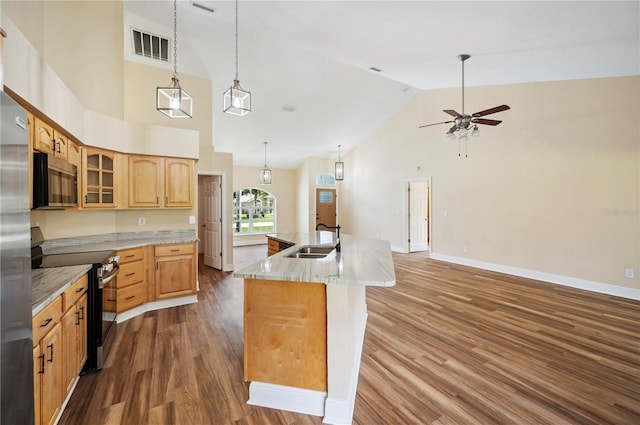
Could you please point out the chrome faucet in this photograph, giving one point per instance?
(337, 229)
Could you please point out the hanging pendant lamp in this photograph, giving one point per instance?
(339, 166)
(174, 101)
(265, 173)
(237, 101)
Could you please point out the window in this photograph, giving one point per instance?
(254, 211)
(325, 180)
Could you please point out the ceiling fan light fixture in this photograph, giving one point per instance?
(475, 132)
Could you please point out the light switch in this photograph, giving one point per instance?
(142, 221)
(192, 219)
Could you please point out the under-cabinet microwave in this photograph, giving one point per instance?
(55, 182)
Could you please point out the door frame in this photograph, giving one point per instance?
(407, 211)
(224, 232)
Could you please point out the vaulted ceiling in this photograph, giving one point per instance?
(315, 57)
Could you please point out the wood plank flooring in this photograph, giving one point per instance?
(447, 345)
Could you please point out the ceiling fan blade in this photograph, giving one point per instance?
(452, 129)
(485, 121)
(451, 112)
(435, 123)
(491, 111)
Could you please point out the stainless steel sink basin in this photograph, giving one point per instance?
(310, 251)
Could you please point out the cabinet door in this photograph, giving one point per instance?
(178, 183)
(175, 276)
(98, 179)
(74, 157)
(70, 324)
(82, 333)
(145, 182)
(60, 145)
(52, 378)
(38, 370)
(42, 136)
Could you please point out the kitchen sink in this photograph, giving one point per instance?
(310, 251)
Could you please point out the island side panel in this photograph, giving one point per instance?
(285, 333)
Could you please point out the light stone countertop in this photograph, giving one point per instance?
(362, 261)
(116, 241)
(47, 284)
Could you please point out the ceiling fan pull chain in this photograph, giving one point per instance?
(459, 147)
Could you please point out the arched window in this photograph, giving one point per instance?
(254, 211)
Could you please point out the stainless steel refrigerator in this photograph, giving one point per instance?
(16, 353)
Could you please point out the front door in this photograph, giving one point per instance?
(212, 223)
(326, 208)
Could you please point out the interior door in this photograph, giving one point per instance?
(212, 222)
(326, 207)
(418, 216)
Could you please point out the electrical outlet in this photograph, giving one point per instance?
(629, 273)
(142, 221)
(465, 249)
(445, 213)
(192, 219)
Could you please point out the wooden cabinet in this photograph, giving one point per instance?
(98, 178)
(74, 332)
(160, 182)
(273, 246)
(38, 371)
(48, 375)
(49, 140)
(131, 282)
(175, 270)
(74, 155)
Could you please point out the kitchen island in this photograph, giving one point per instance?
(305, 320)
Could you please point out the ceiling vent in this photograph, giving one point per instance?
(205, 5)
(150, 45)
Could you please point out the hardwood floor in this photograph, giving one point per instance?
(447, 345)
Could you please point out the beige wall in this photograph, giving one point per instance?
(82, 42)
(555, 188)
(283, 188)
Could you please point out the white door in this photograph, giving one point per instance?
(212, 222)
(418, 216)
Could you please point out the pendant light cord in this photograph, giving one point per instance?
(265, 154)
(237, 44)
(175, 39)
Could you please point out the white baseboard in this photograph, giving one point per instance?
(287, 398)
(228, 267)
(588, 285)
(156, 305)
(399, 249)
(249, 242)
(340, 411)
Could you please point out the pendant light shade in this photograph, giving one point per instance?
(265, 173)
(339, 167)
(236, 101)
(174, 101)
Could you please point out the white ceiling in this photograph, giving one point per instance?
(316, 55)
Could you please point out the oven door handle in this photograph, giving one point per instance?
(104, 280)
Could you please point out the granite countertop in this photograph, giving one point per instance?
(116, 241)
(362, 261)
(47, 284)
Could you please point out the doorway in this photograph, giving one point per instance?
(419, 215)
(326, 207)
(210, 219)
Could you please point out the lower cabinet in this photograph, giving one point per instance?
(131, 282)
(48, 366)
(176, 268)
(74, 330)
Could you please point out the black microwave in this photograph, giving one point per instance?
(55, 182)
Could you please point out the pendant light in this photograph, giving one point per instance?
(237, 101)
(339, 166)
(265, 173)
(174, 101)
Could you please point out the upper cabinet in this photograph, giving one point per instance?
(160, 182)
(98, 178)
(49, 140)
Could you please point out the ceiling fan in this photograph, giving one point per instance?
(462, 122)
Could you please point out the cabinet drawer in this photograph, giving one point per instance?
(131, 255)
(273, 246)
(73, 294)
(130, 297)
(130, 273)
(175, 249)
(44, 321)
